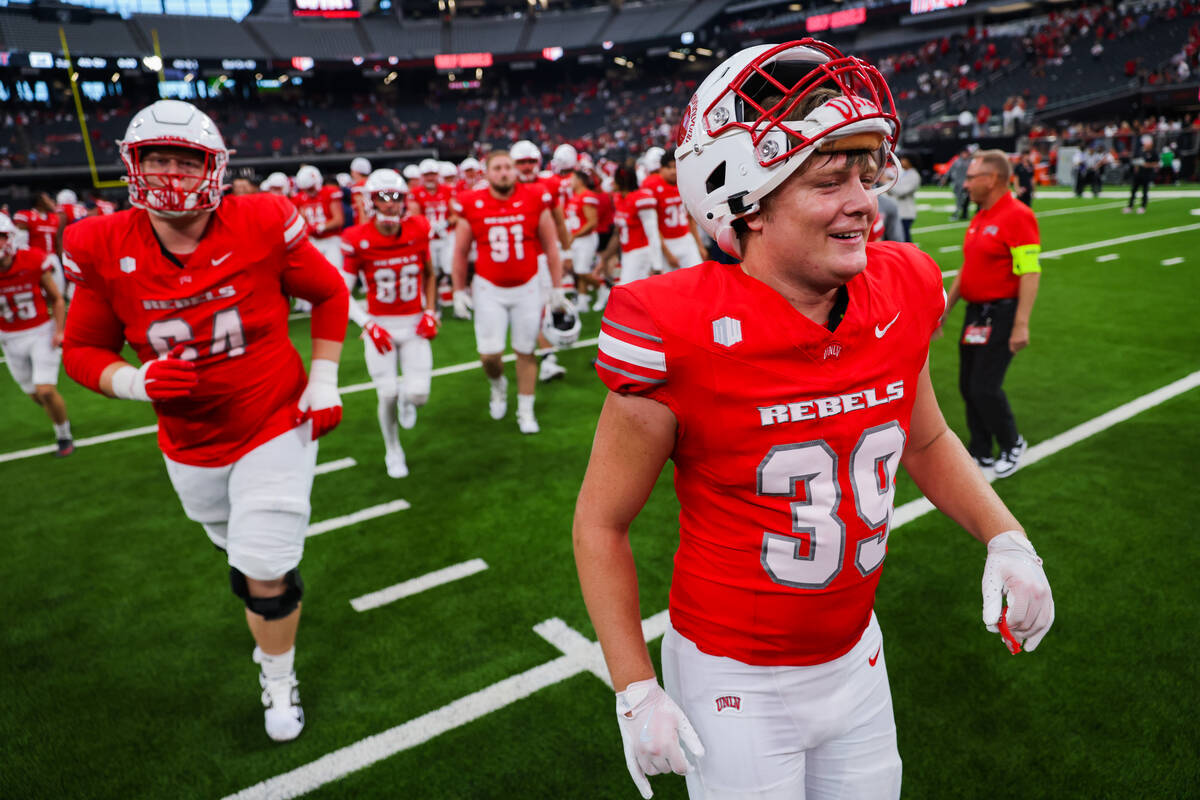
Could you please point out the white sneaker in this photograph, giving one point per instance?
(601, 298)
(397, 467)
(1127, 210)
(406, 414)
(1141, 210)
(283, 714)
(498, 400)
(1008, 460)
(582, 306)
(550, 369)
(527, 423)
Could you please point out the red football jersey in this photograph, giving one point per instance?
(633, 233)
(605, 222)
(317, 209)
(228, 303)
(22, 304)
(434, 205)
(789, 438)
(987, 268)
(574, 213)
(73, 212)
(558, 186)
(392, 267)
(43, 228)
(672, 214)
(505, 232)
(105, 206)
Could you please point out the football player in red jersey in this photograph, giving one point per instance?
(787, 389)
(197, 285)
(321, 207)
(583, 215)
(637, 229)
(390, 253)
(511, 223)
(360, 168)
(680, 239)
(40, 224)
(431, 199)
(32, 314)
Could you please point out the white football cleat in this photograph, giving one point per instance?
(550, 369)
(283, 714)
(397, 467)
(601, 298)
(582, 305)
(527, 422)
(498, 400)
(406, 414)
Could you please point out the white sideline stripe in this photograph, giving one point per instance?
(1195, 212)
(915, 508)
(1170, 262)
(1135, 237)
(334, 466)
(358, 516)
(364, 753)
(950, 248)
(298, 315)
(101, 439)
(417, 585)
(950, 273)
(579, 655)
(357, 387)
(1039, 214)
(1107, 257)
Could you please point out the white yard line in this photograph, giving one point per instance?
(1107, 257)
(417, 585)
(1067, 194)
(358, 516)
(950, 248)
(334, 466)
(1170, 262)
(1054, 213)
(582, 655)
(351, 389)
(1133, 237)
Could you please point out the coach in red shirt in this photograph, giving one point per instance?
(999, 280)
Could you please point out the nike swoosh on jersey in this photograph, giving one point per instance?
(216, 262)
(879, 332)
(875, 657)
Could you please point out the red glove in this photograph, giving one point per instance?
(165, 378)
(379, 337)
(427, 328)
(321, 401)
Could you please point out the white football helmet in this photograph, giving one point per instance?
(430, 166)
(65, 197)
(564, 158)
(470, 165)
(652, 158)
(9, 231)
(174, 123)
(561, 326)
(736, 143)
(448, 171)
(412, 173)
(525, 150)
(385, 182)
(308, 178)
(276, 180)
(360, 165)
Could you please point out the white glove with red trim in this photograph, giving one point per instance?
(1014, 571)
(652, 728)
(321, 401)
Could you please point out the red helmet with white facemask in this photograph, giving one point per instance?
(740, 137)
(174, 123)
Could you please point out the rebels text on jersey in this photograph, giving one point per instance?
(633, 233)
(317, 209)
(22, 304)
(506, 232)
(392, 267)
(434, 205)
(228, 305)
(43, 228)
(788, 442)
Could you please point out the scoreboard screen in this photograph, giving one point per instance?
(925, 6)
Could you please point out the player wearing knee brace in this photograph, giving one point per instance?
(390, 255)
(197, 285)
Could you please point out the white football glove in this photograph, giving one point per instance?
(321, 401)
(559, 301)
(462, 305)
(652, 727)
(1013, 570)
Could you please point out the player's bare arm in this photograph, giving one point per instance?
(549, 240)
(58, 306)
(634, 438)
(462, 249)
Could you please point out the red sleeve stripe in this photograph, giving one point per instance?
(602, 364)
(294, 231)
(650, 361)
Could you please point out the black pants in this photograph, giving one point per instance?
(981, 369)
(1142, 178)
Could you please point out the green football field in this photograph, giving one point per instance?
(125, 666)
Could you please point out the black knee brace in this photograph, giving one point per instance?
(276, 607)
